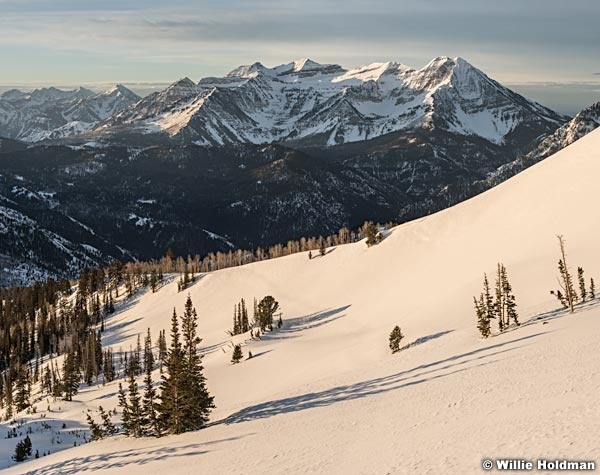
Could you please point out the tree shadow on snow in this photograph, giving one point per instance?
(418, 375)
(425, 339)
(124, 458)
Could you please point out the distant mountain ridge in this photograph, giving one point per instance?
(51, 113)
(301, 103)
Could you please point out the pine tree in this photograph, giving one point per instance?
(566, 281)
(592, 289)
(322, 250)
(126, 415)
(237, 355)
(489, 307)
(197, 401)
(370, 231)
(509, 299)
(135, 408)
(22, 389)
(500, 304)
(396, 337)
(245, 322)
(148, 355)
(108, 427)
(71, 376)
(150, 422)
(266, 309)
(96, 431)
(483, 322)
(171, 407)
(582, 289)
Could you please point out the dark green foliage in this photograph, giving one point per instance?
(237, 355)
(322, 250)
(108, 427)
(150, 420)
(71, 376)
(581, 280)
(134, 428)
(241, 323)
(265, 311)
(483, 322)
(95, 429)
(185, 401)
(371, 232)
(592, 289)
(22, 389)
(396, 337)
(566, 281)
(22, 450)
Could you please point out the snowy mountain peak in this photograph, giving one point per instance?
(246, 70)
(184, 83)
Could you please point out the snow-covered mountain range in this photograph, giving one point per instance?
(302, 103)
(51, 113)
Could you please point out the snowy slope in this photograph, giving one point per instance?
(304, 101)
(323, 395)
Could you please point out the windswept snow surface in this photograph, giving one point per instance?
(324, 394)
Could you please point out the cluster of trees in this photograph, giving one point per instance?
(241, 323)
(183, 402)
(567, 295)
(500, 306)
(46, 320)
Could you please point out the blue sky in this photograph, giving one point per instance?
(549, 49)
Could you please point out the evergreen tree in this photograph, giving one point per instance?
(108, 427)
(71, 376)
(171, 407)
(150, 422)
(592, 289)
(265, 311)
(197, 401)
(489, 308)
(135, 408)
(95, 429)
(148, 355)
(396, 337)
(237, 355)
(322, 250)
(582, 289)
(483, 322)
(566, 281)
(126, 415)
(371, 233)
(22, 389)
(22, 450)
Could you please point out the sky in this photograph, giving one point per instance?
(548, 50)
